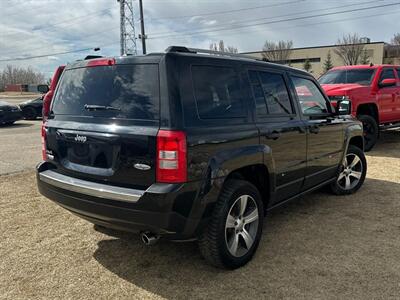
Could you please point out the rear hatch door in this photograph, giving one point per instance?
(104, 122)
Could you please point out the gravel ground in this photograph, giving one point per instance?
(20, 146)
(320, 247)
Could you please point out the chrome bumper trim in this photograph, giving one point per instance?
(90, 188)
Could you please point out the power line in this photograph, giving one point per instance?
(274, 17)
(179, 33)
(46, 47)
(45, 55)
(319, 23)
(228, 11)
(66, 21)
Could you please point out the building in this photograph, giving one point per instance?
(376, 51)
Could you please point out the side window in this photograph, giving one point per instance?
(276, 94)
(261, 106)
(387, 74)
(217, 92)
(311, 99)
(270, 93)
(398, 73)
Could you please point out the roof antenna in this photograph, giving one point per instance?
(371, 64)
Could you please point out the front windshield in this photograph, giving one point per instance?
(357, 76)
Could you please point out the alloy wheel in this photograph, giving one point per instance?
(351, 173)
(241, 225)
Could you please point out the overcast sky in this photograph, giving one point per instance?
(38, 27)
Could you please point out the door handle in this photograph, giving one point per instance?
(274, 135)
(314, 129)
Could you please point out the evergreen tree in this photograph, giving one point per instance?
(307, 65)
(328, 62)
(365, 58)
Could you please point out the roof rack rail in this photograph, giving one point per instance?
(197, 50)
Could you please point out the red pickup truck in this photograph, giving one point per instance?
(373, 92)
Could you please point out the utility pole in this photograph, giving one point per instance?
(142, 35)
(127, 27)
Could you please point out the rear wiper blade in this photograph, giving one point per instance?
(100, 107)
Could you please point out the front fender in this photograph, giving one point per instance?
(351, 130)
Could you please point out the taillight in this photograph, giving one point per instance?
(44, 155)
(46, 105)
(171, 157)
(101, 62)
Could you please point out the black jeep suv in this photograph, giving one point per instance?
(184, 145)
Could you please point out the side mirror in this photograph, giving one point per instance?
(387, 82)
(43, 88)
(343, 107)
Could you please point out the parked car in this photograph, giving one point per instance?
(32, 109)
(373, 92)
(9, 113)
(50, 92)
(183, 146)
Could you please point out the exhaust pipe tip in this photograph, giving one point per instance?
(149, 238)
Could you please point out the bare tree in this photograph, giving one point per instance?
(350, 49)
(396, 39)
(277, 52)
(221, 47)
(15, 75)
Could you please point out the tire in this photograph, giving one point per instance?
(30, 113)
(351, 174)
(371, 131)
(220, 232)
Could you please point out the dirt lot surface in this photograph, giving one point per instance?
(321, 246)
(20, 146)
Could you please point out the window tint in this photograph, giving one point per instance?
(261, 105)
(217, 91)
(387, 74)
(276, 94)
(132, 90)
(270, 93)
(359, 76)
(311, 99)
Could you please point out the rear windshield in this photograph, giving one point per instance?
(121, 91)
(357, 76)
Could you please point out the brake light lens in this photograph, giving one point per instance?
(101, 62)
(44, 155)
(46, 105)
(171, 157)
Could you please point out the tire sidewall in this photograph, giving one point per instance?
(227, 258)
(30, 113)
(371, 121)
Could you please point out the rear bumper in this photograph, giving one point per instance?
(170, 210)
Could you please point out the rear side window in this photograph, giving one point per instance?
(129, 92)
(217, 92)
(270, 93)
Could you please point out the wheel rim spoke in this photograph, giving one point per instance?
(348, 182)
(230, 221)
(234, 243)
(251, 217)
(247, 238)
(341, 176)
(355, 161)
(243, 205)
(355, 174)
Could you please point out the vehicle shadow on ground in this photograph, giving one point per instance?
(305, 250)
(15, 125)
(388, 144)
